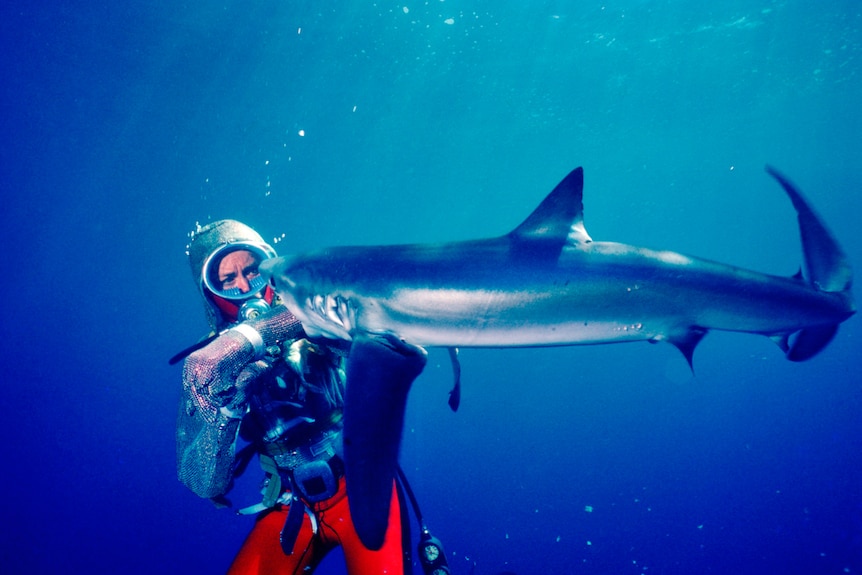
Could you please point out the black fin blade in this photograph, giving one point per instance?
(827, 265)
(380, 371)
(559, 215)
(687, 342)
(455, 394)
(556, 222)
(809, 341)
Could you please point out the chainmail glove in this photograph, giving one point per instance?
(211, 375)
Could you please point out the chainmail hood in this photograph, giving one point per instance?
(204, 241)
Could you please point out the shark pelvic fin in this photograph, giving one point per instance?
(380, 371)
(687, 342)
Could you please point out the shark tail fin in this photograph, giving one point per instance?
(827, 269)
(380, 370)
(826, 265)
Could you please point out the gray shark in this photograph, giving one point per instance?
(546, 283)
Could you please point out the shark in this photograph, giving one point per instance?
(545, 283)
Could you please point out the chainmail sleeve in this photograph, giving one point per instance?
(205, 451)
(215, 382)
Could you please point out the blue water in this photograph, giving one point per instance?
(124, 124)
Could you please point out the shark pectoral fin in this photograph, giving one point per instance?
(455, 394)
(809, 341)
(380, 370)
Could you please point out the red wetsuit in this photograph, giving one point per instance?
(261, 554)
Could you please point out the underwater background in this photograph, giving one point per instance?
(125, 124)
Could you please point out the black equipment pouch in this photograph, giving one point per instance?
(316, 480)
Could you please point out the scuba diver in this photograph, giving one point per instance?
(257, 378)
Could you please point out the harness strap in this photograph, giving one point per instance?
(272, 494)
(273, 487)
(292, 525)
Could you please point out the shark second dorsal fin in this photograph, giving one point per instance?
(559, 219)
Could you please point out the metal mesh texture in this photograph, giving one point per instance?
(215, 380)
(204, 242)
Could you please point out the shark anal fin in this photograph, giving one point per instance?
(380, 371)
(782, 340)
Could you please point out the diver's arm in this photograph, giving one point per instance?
(216, 380)
(205, 450)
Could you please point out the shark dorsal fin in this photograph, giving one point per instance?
(559, 219)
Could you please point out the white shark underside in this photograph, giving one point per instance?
(545, 283)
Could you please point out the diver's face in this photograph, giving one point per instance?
(237, 269)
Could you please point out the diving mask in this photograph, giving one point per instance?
(231, 271)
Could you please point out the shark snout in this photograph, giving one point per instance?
(277, 273)
(268, 268)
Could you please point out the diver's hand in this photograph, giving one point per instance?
(214, 375)
(276, 327)
(210, 374)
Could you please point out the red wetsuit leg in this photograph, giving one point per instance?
(261, 554)
(336, 526)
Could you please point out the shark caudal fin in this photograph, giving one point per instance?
(380, 371)
(826, 269)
